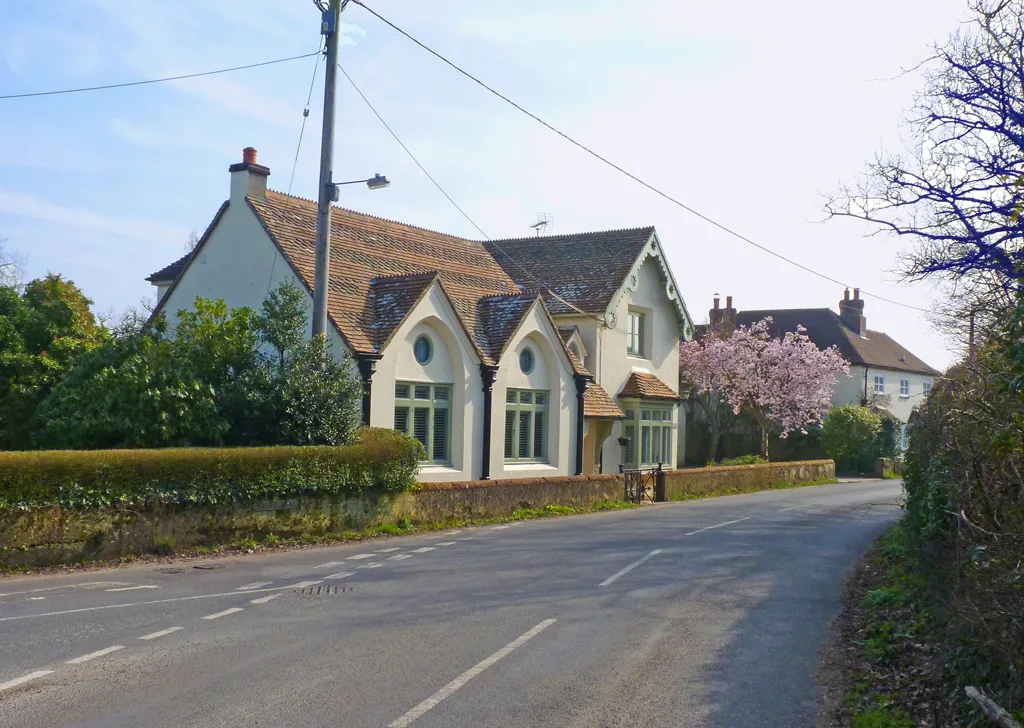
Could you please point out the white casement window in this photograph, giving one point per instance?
(904, 438)
(927, 387)
(879, 384)
(635, 334)
(904, 387)
(424, 411)
(656, 437)
(526, 426)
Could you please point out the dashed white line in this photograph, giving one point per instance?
(447, 543)
(340, 575)
(85, 585)
(94, 655)
(226, 612)
(302, 585)
(359, 556)
(388, 551)
(794, 508)
(253, 585)
(264, 600)
(23, 679)
(424, 549)
(717, 525)
(398, 557)
(133, 588)
(329, 565)
(161, 633)
(36, 599)
(433, 700)
(371, 565)
(622, 572)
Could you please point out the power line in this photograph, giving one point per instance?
(155, 80)
(616, 167)
(454, 203)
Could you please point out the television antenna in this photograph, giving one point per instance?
(544, 222)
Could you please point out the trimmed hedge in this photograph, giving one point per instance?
(381, 461)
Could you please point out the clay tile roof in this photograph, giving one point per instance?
(566, 332)
(364, 248)
(826, 328)
(598, 403)
(500, 317)
(171, 272)
(393, 297)
(585, 269)
(577, 365)
(642, 385)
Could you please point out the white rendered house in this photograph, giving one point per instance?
(509, 358)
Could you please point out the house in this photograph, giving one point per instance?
(505, 358)
(884, 373)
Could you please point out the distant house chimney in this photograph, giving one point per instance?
(247, 177)
(723, 320)
(852, 312)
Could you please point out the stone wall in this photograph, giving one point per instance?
(695, 482)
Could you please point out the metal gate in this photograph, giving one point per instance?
(641, 484)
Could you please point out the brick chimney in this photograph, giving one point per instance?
(247, 177)
(851, 311)
(722, 320)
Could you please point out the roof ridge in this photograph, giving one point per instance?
(572, 235)
(376, 217)
(532, 295)
(404, 276)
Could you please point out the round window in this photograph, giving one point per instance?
(526, 360)
(422, 349)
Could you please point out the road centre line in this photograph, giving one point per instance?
(717, 525)
(794, 508)
(94, 655)
(300, 585)
(388, 550)
(68, 586)
(253, 585)
(133, 588)
(340, 575)
(161, 633)
(423, 550)
(329, 565)
(626, 570)
(264, 600)
(226, 612)
(359, 556)
(447, 543)
(371, 565)
(399, 557)
(447, 690)
(23, 679)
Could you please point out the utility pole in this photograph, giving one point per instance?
(330, 26)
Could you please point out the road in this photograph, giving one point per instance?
(701, 613)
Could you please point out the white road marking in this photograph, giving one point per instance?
(360, 556)
(717, 525)
(388, 551)
(794, 508)
(226, 612)
(161, 633)
(264, 600)
(68, 586)
(253, 585)
(398, 557)
(467, 538)
(447, 543)
(36, 599)
(329, 565)
(23, 679)
(498, 528)
(340, 575)
(94, 655)
(133, 588)
(629, 568)
(371, 565)
(433, 700)
(424, 549)
(300, 585)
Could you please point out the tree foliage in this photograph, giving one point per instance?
(855, 437)
(957, 191)
(784, 383)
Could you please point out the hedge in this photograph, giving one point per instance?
(380, 461)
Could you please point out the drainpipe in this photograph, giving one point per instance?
(488, 373)
(367, 366)
(581, 387)
(866, 400)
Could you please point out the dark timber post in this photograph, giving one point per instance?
(581, 387)
(367, 366)
(488, 373)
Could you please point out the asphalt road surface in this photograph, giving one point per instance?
(702, 613)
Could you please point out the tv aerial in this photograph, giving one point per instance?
(545, 223)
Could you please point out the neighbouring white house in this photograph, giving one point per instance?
(547, 355)
(884, 373)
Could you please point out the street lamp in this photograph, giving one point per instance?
(376, 182)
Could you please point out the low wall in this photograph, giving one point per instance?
(433, 502)
(696, 482)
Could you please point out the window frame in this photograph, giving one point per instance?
(525, 404)
(653, 431)
(636, 335)
(433, 405)
(879, 384)
(926, 387)
(904, 390)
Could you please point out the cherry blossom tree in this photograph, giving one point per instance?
(785, 383)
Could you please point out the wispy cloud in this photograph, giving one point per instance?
(21, 205)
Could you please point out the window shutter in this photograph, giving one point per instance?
(420, 424)
(630, 431)
(440, 435)
(401, 391)
(645, 445)
(538, 435)
(524, 434)
(402, 419)
(510, 425)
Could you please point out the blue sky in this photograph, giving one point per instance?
(750, 112)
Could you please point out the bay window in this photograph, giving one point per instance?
(424, 411)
